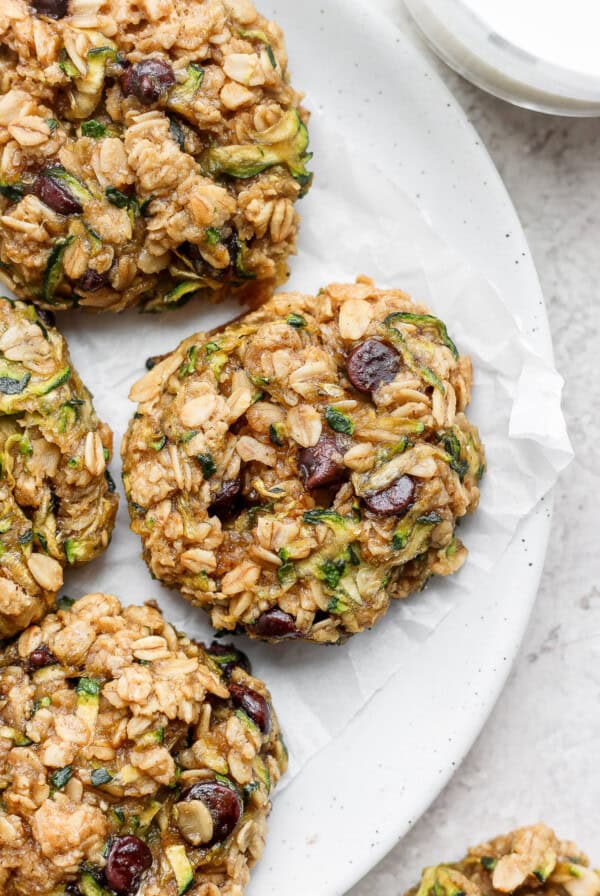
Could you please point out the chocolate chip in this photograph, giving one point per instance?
(222, 801)
(72, 889)
(227, 500)
(322, 464)
(228, 657)
(371, 363)
(92, 280)
(254, 705)
(46, 317)
(40, 657)
(275, 624)
(56, 196)
(394, 500)
(148, 80)
(54, 9)
(128, 858)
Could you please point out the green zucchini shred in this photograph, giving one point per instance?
(189, 366)
(87, 89)
(14, 191)
(286, 573)
(207, 464)
(424, 320)
(89, 686)
(331, 571)
(11, 386)
(94, 129)
(277, 433)
(119, 199)
(338, 421)
(67, 66)
(181, 293)
(61, 777)
(101, 776)
(74, 550)
(181, 95)
(262, 37)
(177, 133)
(288, 147)
(409, 359)
(159, 444)
(488, 862)
(330, 518)
(213, 236)
(54, 268)
(76, 187)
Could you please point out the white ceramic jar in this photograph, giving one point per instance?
(541, 54)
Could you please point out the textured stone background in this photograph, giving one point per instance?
(537, 758)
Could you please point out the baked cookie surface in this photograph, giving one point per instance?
(529, 860)
(133, 761)
(299, 469)
(152, 152)
(57, 500)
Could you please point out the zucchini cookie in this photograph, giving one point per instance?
(57, 500)
(152, 152)
(529, 860)
(299, 469)
(133, 761)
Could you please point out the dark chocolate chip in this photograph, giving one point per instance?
(128, 858)
(46, 317)
(228, 657)
(222, 801)
(322, 464)
(254, 705)
(394, 500)
(92, 280)
(226, 502)
(275, 624)
(72, 889)
(40, 657)
(371, 363)
(56, 196)
(148, 80)
(54, 9)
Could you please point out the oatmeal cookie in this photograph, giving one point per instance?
(133, 760)
(151, 152)
(530, 860)
(57, 500)
(298, 470)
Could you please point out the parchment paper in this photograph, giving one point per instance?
(354, 221)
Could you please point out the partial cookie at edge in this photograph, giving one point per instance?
(135, 761)
(57, 500)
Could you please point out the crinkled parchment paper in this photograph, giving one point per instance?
(353, 225)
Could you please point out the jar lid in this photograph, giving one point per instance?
(541, 54)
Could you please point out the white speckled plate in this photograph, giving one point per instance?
(356, 798)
